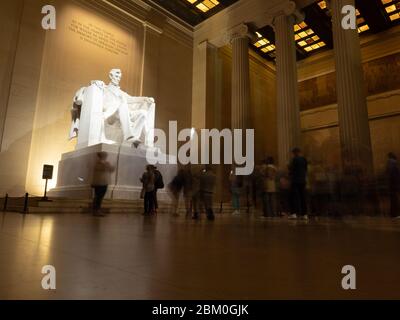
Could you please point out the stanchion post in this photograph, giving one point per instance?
(248, 198)
(26, 203)
(47, 175)
(45, 191)
(5, 203)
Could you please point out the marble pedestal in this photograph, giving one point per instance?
(76, 168)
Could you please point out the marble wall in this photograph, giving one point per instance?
(41, 70)
(22, 54)
(381, 75)
(320, 118)
(90, 39)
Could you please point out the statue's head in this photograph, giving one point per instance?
(115, 76)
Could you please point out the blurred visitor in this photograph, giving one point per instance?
(236, 188)
(159, 185)
(187, 189)
(148, 180)
(319, 190)
(175, 188)
(333, 191)
(393, 173)
(101, 180)
(284, 193)
(350, 191)
(298, 176)
(207, 186)
(269, 172)
(196, 194)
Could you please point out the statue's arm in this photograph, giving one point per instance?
(79, 98)
(76, 112)
(133, 100)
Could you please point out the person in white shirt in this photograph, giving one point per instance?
(269, 172)
(101, 180)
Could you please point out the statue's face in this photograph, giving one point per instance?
(116, 76)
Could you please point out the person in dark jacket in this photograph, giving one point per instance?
(187, 180)
(393, 173)
(175, 188)
(207, 188)
(148, 180)
(298, 175)
(158, 185)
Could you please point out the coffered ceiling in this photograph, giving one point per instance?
(312, 35)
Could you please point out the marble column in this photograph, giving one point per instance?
(352, 104)
(288, 109)
(240, 77)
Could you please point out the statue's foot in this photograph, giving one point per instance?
(106, 141)
(136, 143)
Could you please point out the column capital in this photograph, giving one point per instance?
(286, 8)
(205, 44)
(238, 32)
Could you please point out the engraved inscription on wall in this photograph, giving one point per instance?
(98, 37)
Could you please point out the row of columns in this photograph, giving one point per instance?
(352, 106)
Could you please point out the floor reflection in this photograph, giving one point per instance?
(133, 257)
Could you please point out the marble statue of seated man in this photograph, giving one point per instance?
(101, 104)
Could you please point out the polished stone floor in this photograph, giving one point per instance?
(133, 257)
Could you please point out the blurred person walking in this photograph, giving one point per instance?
(320, 190)
(393, 174)
(284, 193)
(269, 172)
(158, 185)
(236, 188)
(207, 186)
(175, 188)
(350, 191)
(333, 189)
(148, 180)
(298, 175)
(196, 194)
(187, 181)
(101, 180)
